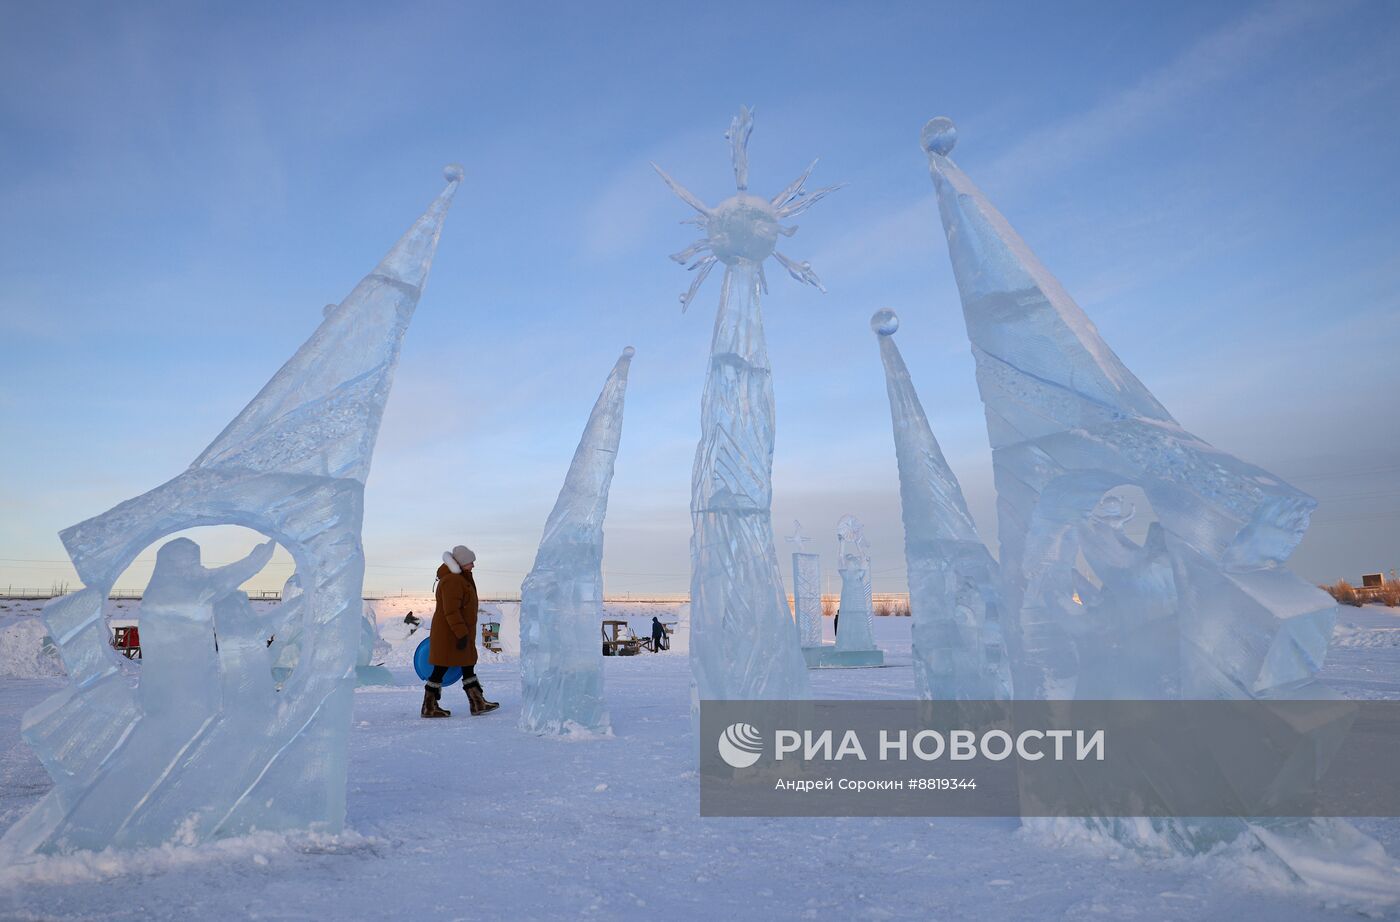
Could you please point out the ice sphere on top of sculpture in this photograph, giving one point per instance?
(959, 651)
(200, 748)
(744, 229)
(561, 600)
(939, 136)
(885, 322)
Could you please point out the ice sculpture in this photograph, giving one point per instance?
(284, 649)
(561, 600)
(855, 628)
(369, 660)
(1205, 607)
(284, 645)
(744, 642)
(806, 589)
(953, 597)
(202, 747)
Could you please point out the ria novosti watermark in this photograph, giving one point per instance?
(927, 745)
(1049, 758)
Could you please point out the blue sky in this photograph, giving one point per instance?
(183, 186)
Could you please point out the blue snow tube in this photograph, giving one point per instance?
(425, 668)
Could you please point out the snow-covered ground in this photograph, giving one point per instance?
(468, 818)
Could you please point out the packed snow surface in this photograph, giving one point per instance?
(469, 818)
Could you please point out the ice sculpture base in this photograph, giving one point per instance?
(828, 657)
(373, 675)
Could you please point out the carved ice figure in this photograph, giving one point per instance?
(958, 649)
(561, 600)
(285, 649)
(131, 770)
(856, 628)
(806, 589)
(181, 649)
(1205, 608)
(744, 642)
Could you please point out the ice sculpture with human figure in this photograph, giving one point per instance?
(195, 744)
(1205, 608)
(856, 625)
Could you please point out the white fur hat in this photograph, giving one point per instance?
(463, 555)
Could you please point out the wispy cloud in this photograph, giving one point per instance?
(1208, 62)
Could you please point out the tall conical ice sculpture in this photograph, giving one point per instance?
(744, 642)
(953, 598)
(561, 600)
(1205, 607)
(202, 746)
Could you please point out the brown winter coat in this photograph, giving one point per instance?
(453, 619)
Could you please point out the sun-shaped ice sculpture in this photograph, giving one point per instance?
(745, 228)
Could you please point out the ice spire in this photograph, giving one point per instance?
(1204, 607)
(291, 465)
(561, 601)
(320, 412)
(744, 643)
(958, 648)
(1069, 423)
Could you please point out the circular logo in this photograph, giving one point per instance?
(740, 745)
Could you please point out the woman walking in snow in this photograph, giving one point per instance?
(452, 639)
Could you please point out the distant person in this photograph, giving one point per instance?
(452, 638)
(658, 635)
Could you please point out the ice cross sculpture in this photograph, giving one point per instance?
(959, 653)
(131, 771)
(743, 640)
(561, 600)
(1205, 608)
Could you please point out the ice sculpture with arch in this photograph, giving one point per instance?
(1206, 608)
(292, 465)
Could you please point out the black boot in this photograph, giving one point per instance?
(431, 708)
(477, 698)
